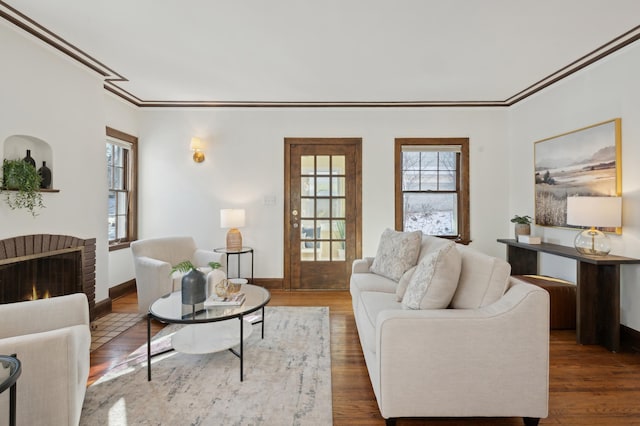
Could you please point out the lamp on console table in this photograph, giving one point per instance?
(602, 212)
(233, 219)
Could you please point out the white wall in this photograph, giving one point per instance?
(245, 160)
(606, 90)
(50, 97)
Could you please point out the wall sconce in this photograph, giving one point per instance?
(233, 219)
(594, 212)
(196, 147)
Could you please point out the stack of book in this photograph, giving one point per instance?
(233, 300)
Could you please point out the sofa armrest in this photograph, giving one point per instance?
(500, 351)
(55, 368)
(43, 314)
(360, 266)
(153, 280)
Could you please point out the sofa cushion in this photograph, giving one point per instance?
(397, 252)
(371, 303)
(404, 282)
(483, 279)
(435, 279)
(430, 244)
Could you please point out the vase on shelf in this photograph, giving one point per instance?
(45, 176)
(29, 159)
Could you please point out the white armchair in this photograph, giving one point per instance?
(52, 339)
(153, 260)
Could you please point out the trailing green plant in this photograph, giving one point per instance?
(21, 184)
(215, 265)
(523, 220)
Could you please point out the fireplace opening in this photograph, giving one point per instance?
(44, 265)
(41, 277)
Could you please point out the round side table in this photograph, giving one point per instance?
(10, 369)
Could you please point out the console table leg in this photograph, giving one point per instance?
(598, 307)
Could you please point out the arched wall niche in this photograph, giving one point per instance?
(16, 146)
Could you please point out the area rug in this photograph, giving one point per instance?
(287, 380)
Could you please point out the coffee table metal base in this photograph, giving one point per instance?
(197, 338)
(210, 337)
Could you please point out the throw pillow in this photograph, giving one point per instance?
(435, 280)
(404, 282)
(397, 252)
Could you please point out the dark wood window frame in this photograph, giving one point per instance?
(132, 213)
(462, 187)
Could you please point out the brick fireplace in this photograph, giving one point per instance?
(44, 265)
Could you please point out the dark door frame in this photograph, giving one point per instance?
(288, 143)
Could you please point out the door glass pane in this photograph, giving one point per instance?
(337, 165)
(307, 187)
(322, 207)
(323, 253)
(337, 189)
(307, 231)
(431, 213)
(323, 187)
(322, 165)
(306, 165)
(338, 207)
(337, 230)
(307, 206)
(307, 252)
(337, 251)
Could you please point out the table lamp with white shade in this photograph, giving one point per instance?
(233, 219)
(601, 212)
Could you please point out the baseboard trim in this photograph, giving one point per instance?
(102, 308)
(630, 338)
(269, 283)
(122, 289)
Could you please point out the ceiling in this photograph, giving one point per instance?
(331, 52)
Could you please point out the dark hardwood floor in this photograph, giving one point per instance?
(588, 384)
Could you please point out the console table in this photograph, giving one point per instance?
(598, 288)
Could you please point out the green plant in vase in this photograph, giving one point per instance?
(21, 184)
(193, 283)
(523, 225)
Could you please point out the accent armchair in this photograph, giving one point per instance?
(52, 339)
(153, 260)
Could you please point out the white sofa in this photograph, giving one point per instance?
(486, 354)
(52, 340)
(153, 259)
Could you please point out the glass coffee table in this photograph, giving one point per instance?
(208, 329)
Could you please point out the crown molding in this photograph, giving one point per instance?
(112, 78)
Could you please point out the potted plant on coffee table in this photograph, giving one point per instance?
(194, 281)
(21, 184)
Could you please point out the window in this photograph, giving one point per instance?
(122, 188)
(432, 186)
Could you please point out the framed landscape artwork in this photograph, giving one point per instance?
(584, 162)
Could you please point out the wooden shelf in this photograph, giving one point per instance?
(41, 190)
